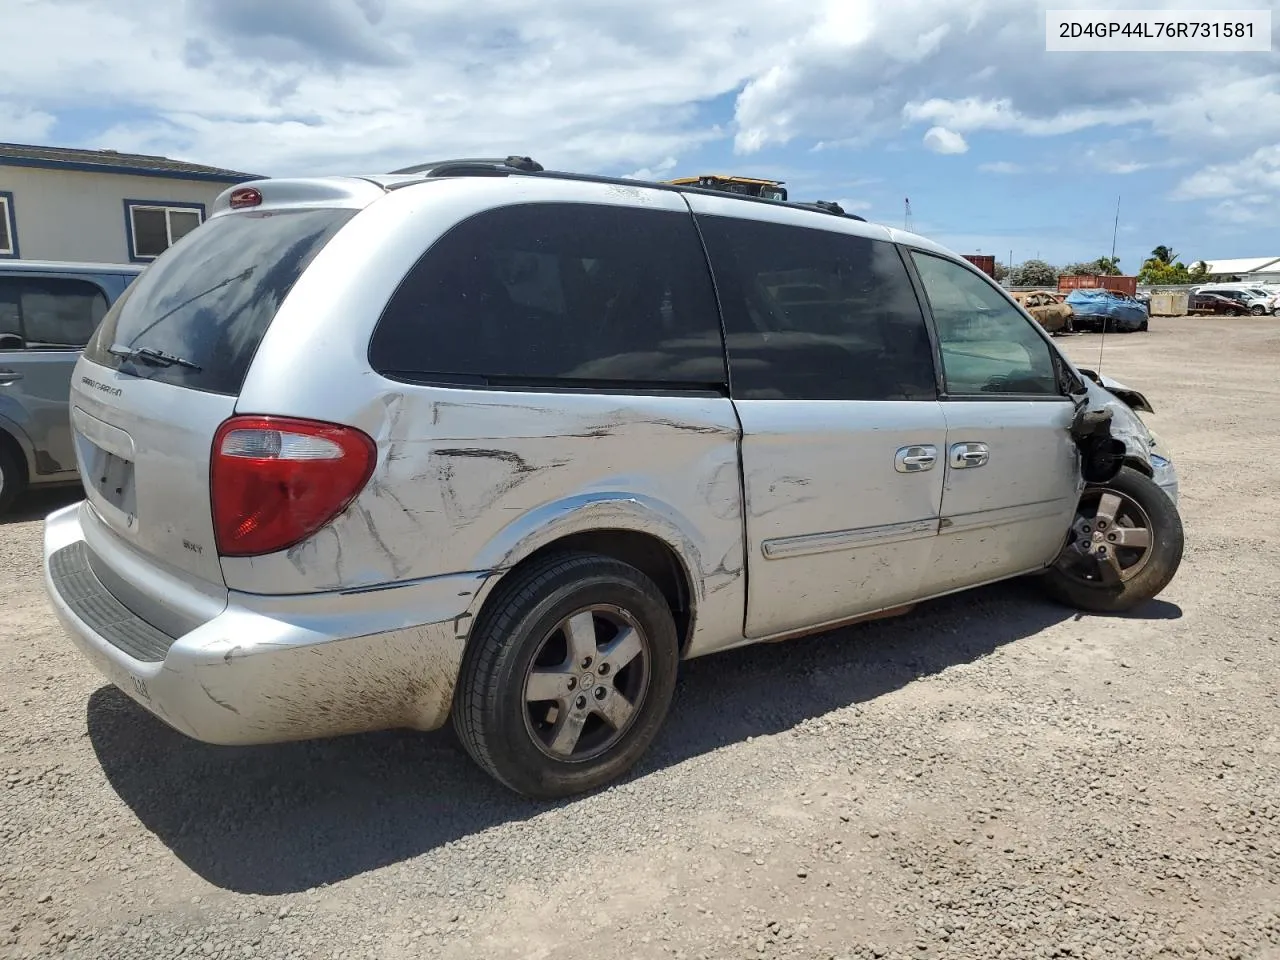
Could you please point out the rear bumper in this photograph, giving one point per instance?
(270, 669)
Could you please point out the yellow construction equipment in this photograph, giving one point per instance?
(744, 186)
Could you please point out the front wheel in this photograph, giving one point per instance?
(1124, 547)
(1258, 310)
(568, 676)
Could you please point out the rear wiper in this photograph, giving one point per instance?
(157, 358)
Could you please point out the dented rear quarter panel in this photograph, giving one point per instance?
(474, 480)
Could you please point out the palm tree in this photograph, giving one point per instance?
(1164, 254)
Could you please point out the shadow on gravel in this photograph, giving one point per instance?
(279, 819)
(39, 503)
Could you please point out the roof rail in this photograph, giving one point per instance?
(829, 206)
(515, 165)
(475, 166)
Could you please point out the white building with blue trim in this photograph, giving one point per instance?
(101, 206)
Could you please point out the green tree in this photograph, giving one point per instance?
(1163, 268)
(1001, 271)
(1102, 267)
(1034, 273)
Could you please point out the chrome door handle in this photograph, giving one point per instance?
(915, 459)
(9, 376)
(965, 456)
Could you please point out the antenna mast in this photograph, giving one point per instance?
(906, 218)
(1115, 230)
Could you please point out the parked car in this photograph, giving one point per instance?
(47, 313)
(377, 452)
(1217, 304)
(1049, 309)
(1098, 309)
(1259, 301)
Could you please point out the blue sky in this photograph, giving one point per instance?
(1000, 145)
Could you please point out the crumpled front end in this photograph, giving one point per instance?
(1127, 425)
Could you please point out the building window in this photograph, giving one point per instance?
(8, 226)
(155, 227)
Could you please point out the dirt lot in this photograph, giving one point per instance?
(992, 776)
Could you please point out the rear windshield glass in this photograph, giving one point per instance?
(206, 303)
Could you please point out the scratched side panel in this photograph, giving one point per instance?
(476, 480)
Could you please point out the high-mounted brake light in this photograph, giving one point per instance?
(274, 481)
(243, 197)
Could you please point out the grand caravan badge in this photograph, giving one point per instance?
(101, 387)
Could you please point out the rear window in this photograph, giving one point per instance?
(210, 298)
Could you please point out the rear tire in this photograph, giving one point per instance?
(1258, 311)
(1113, 517)
(13, 478)
(568, 675)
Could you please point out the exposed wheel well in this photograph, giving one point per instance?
(1139, 465)
(648, 554)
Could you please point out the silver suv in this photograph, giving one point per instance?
(494, 443)
(47, 312)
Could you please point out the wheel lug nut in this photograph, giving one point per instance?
(603, 670)
(1111, 537)
(601, 693)
(586, 663)
(582, 703)
(573, 683)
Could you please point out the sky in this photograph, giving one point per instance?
(1001, 147)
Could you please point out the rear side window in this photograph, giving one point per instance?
(557, 295)
(50, 313)
(815, 315)
(209, 299)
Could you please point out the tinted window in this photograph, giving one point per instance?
(610, 296)
(210, 299)
(50, 312)
(815, 315)
(10, 301)
(987, 345)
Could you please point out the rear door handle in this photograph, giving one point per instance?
(966, 456)
(9, 376)
(915, 459)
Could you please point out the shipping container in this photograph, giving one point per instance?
(984, 262)
(1125, 285)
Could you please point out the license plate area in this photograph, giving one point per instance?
(108, 478)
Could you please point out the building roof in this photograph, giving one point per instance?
(1242, 265)
(111, 161)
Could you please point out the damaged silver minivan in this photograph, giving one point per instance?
(485, 442)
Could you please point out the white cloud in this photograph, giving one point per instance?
(660, 171)
(1257, 173)
(1001, 166)
(854, 206)
(942, 140)
(988, 71)
(318, 86)
(336, 85)
(21, 125)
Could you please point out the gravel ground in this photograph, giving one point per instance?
(992, 776)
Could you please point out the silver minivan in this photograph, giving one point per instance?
(486, 442)
(48, 310)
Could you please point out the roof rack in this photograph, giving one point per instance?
(474, 167)
(515, 165)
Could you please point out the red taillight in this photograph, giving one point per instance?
(243, 197)
(275, 481)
